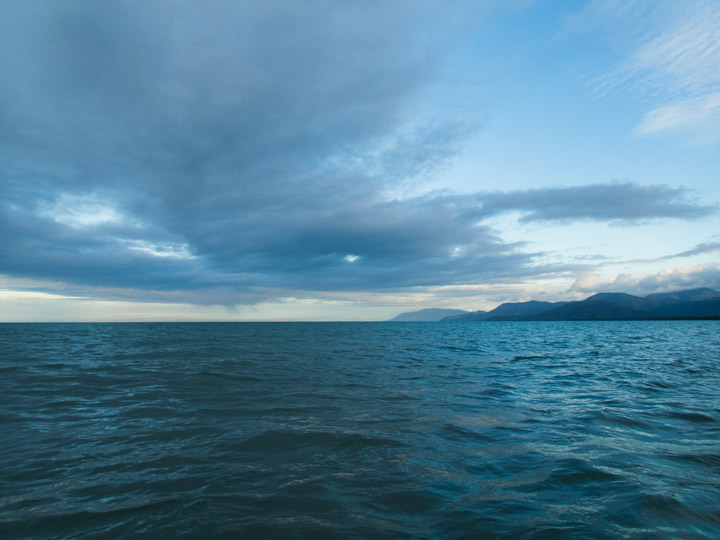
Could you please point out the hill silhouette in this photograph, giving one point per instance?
(702, 303)
(427, 315)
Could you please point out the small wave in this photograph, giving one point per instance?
(573, 471)
(694, 417)
(458, 433)
(400, 397)
(411, 502)
(277, 440)
(618, 419)
(114, 521)
(707, 460)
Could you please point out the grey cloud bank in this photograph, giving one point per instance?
(248, 148)
(614, 202)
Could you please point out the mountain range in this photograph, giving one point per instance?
(701, 303)
(430, 314)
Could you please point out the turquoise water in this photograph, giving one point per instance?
(392, 430)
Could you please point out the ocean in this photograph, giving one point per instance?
(361, 430)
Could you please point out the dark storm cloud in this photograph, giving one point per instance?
(240, 148)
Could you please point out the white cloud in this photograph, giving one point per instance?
(81, 211)
(700, 116)
(672, 65)
(666, 280)
(161, 249)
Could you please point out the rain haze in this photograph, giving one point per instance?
(349, 161)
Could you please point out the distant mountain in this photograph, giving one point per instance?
(687, 304)
(468, 316)
(427, 315)
(690, 303)
(591, 310)
(627, 301)
(523, 309)
(508, 309)
(690, 295)
(704, 308)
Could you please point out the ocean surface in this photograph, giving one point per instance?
(348, 430)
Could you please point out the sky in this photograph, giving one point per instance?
(323, 160)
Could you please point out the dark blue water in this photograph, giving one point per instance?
(504, 429)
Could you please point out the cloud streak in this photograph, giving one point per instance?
(700, 249)
(673, 59)
(620, 202)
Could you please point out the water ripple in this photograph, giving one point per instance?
(497, 430)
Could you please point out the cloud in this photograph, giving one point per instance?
(641, 284)
(230, 152)
(620, 202)
(699, 115)
(671, 62)
(355, 244)
(706, 247)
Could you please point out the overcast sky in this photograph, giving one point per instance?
(324, 160)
